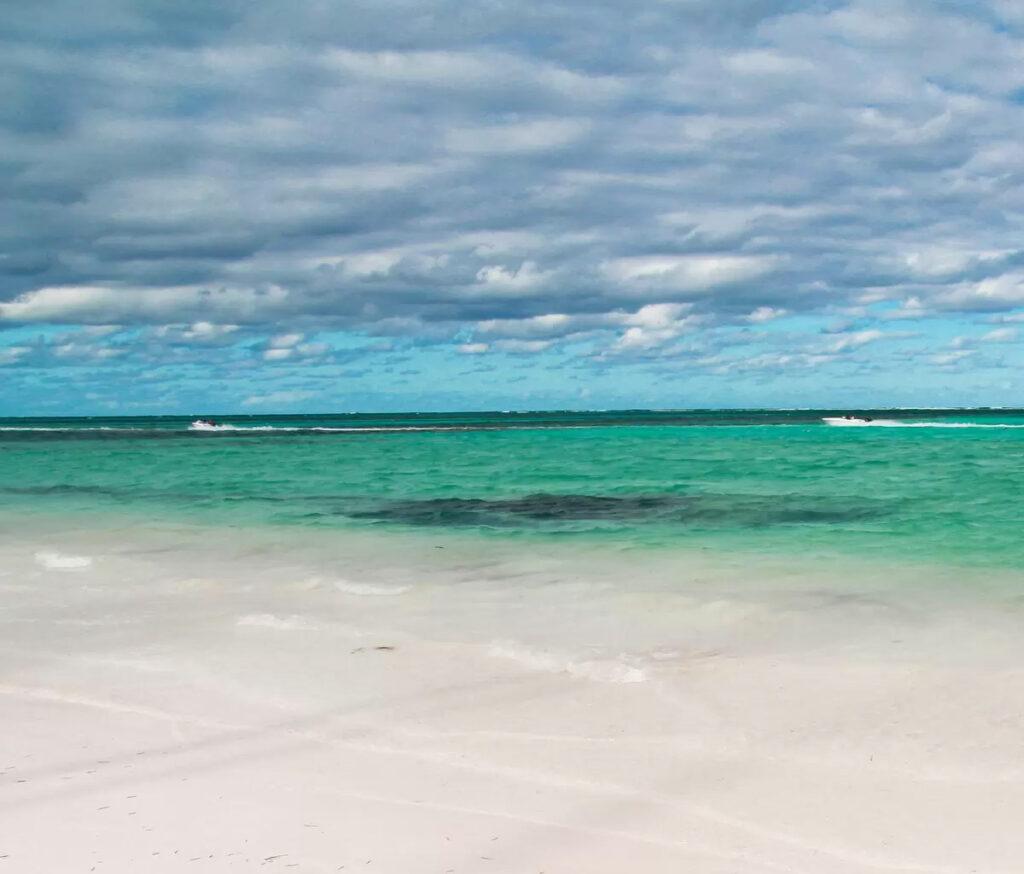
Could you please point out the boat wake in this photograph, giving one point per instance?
(843, 422)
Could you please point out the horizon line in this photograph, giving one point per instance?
(548, 411)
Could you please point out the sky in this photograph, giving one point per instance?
(307, 206)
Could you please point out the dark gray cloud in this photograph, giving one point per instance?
(504, 175)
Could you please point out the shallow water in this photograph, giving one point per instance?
(767, 482)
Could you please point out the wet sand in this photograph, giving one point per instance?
(177, 701)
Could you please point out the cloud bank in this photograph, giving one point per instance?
(707, 186)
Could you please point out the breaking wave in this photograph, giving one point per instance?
(319, 429)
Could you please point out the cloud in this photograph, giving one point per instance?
(104, 305)
(213, 177)
(682, 273)
(646, 328)
(652, 327)
(1001, 335)
(855, 340)
(198, 334)
(11, 354)
(538, 135)
(285, 341)
(947, 358)
(290, 347)
(765, 314)
(85, 352)
(277, 398)
(524, 278)
(996, 335)
(1005, 292)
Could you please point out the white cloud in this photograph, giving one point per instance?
(653, 326)
(278, 398)
(995, 293)
(475, 70)
(201, 336)
(946, 358)
(12, 354)
(912, 308)
(765, 314)
(85, 352)
(1001, 335)
(103, 305)
(682, 272)
(286, 341)
(537, 135)
(289, 347)
(856, 339)
(936, 262)
(648, 327)
(525, 278)
(761, 62)
(552, 325)
(658, 315)
(635, 338)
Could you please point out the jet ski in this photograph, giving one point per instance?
(204, 425)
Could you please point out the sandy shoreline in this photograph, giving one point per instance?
(169, 705)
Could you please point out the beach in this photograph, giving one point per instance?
(470, 710)
(205, 692)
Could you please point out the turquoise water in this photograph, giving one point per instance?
(935, 486)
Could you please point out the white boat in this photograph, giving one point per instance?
(846, 421)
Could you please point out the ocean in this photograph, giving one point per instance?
(912, 486)
(609, 641)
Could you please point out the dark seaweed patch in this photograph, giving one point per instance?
(693, 510)
(539, 507)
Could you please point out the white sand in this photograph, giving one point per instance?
(179, 702)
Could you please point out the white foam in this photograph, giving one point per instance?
(201, 426)
(278, 623)
(599, 670)
(894, 423)
(42, 428)
(58, 561)
(350, 588)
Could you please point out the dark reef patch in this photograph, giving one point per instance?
(696, 510)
